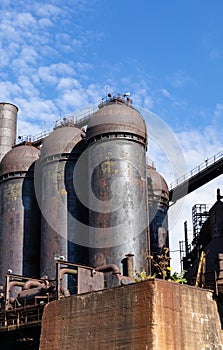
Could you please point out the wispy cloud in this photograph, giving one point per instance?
(35, 39)
(179, 79)
(50, 67)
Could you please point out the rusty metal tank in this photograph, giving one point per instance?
(158, 203)
(8, 122)
(116, 146)
(19, 214)
(58, 156)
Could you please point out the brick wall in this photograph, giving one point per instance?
(149, 315)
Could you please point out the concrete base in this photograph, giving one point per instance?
(149, 315)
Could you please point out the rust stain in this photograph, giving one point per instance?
(148, 315)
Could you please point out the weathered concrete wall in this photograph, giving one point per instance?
(149, 315)
(185, 318)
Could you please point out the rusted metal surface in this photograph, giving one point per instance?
(158, 202)
(89, 280)
(83, 279)
(117, 118)
(108, 268)
(32, 293)
(116, 137)
(61, 141)
(59, 153)
(8, 122)
(23, 288)
(116, 280)
(148, 315)
(19, 159)
(128, 265)
(20, 216)
(22, 319)
(157, 186)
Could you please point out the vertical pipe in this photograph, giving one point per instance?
(8, 122)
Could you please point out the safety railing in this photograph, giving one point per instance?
(78, 119)
(195, 171)
(14, 319)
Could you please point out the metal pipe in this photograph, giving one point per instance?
(9, 285)
(30, 294)
(130, 265)
(65, 291)
(65, 270)
(30, 284)
(8, 122)
(15, 283)
(108, 268)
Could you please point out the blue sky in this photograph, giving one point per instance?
(57, 57)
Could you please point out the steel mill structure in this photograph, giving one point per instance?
(205, 252)
(82, 210)
(84, 196)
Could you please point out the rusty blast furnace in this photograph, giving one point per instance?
(20, 215)
(55, 167)
(116, 147)
(87, 197)
(81, 211)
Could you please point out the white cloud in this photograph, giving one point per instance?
(83, 66)
(45, 22)
(4, 58)
(24, 63)
(218, 110)
(67, 83)
(47, 10)
(9, 33)
(9, 91)
(180, 79)
(75, 98)
(27, 87)
(166, 93)
(38, 111)
(24, 20)
(28, 129)
(141, 97)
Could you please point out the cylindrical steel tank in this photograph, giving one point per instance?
(158, 203)
(8, 122)
(116, 148)
(19, 214)
(58, 156)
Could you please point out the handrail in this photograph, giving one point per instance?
(75, 119)
(207, 163)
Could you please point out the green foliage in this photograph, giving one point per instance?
(142, 276)
(161, 263)
(161, 267)
(175, 277)
(178, 277)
